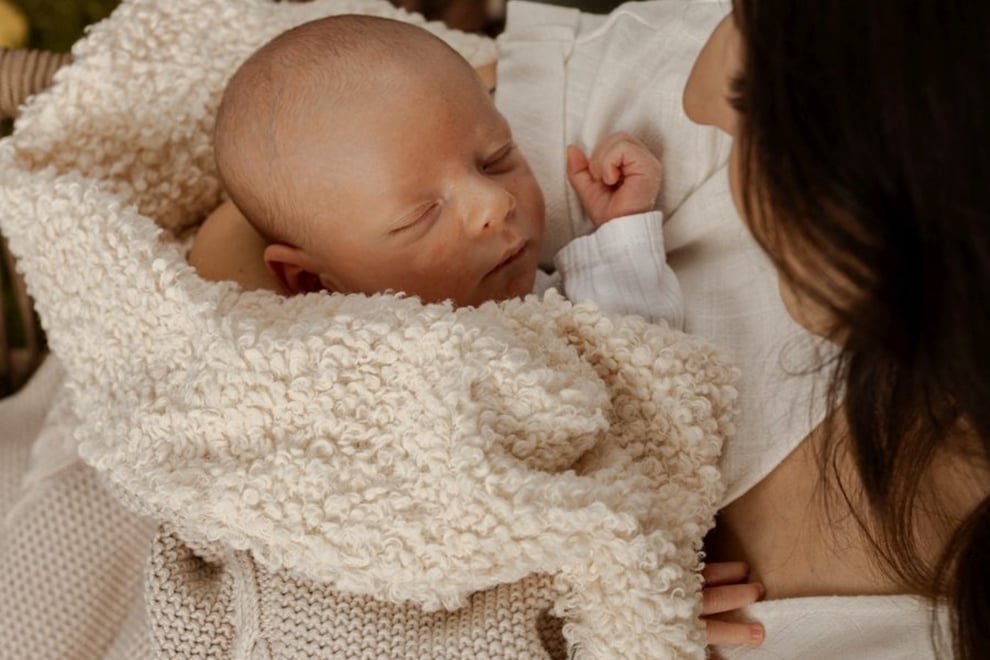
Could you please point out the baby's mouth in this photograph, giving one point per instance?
(509, 257)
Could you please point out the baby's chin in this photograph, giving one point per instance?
(527, 283)
(521, 285)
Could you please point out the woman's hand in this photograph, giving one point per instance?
(621, 177)
(725, 590)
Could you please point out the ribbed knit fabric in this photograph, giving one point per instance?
(71, 556)
(344, 455)
(70, 567)
(231, 600)
(22, 417)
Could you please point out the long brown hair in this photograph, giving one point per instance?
(865, 149)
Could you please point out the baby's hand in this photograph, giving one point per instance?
(725, 590)
(621, 178)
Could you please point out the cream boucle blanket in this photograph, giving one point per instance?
(362, 449)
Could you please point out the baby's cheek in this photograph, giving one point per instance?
(441, 261)
(443, 267)
(437, 252)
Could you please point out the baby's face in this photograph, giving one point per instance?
(419, 188)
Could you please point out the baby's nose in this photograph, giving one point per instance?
(493, 206)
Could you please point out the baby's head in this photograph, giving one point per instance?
(371, 157)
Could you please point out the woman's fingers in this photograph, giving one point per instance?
(727, 633)
(730, 597)
(724, 572)
(726, 590)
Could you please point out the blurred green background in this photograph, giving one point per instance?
(56, 24)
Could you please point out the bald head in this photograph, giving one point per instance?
(298, 84)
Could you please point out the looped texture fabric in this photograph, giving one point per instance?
(366, 445)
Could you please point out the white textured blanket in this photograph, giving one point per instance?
(369, 446)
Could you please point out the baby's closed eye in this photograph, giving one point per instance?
(421, 217)
(502, 161)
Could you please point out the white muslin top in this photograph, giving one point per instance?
(567, 77)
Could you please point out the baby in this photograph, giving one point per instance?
(364, 155)
(369, 157)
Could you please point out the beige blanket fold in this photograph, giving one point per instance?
(347, 476)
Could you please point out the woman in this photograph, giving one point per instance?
(860, 165)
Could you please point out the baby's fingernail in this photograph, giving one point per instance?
(756, 634)
(762, 592)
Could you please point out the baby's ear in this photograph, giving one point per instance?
(292, 268)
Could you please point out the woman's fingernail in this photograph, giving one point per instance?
(762, 592)
(756, 634)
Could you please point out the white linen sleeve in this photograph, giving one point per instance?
(623, 269)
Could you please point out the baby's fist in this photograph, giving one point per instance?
(620, 178)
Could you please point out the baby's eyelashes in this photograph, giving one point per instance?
(501, 161)
(416, 218)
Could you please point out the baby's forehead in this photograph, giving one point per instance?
(391, 88)
(321, 96)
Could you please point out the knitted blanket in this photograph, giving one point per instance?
(346, 476)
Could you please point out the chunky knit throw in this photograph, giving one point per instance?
(346, 476)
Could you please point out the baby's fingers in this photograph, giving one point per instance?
(581, 164)
(577, 164)
(579, 174)
(592, 194)
(608, 160)
(625, 158)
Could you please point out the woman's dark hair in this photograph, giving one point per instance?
(864, 145)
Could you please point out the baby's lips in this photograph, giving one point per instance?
(510, 255)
